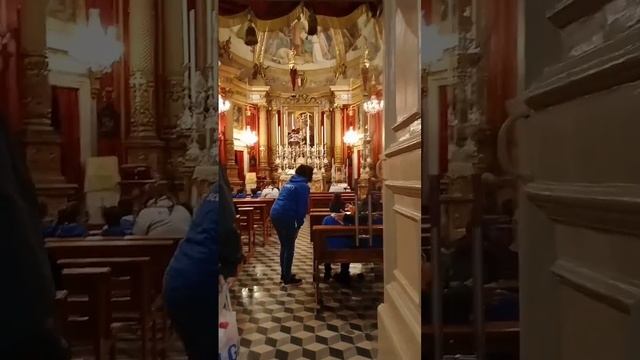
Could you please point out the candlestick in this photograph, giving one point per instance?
(185, 31)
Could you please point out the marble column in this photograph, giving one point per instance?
(143, 145)
(42, 141)
(232, 167)
(263, 133)
(173, 66)
(337, 131)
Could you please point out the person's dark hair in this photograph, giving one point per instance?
(305, 171)
(43, 210)
(70, 214)
(111, 216)
(126, 206)
(336, 205)
(254, 191)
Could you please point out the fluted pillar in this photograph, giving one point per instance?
(173, 65)
(42, 141)
(232, 167)
(263, 133)
(337, 131)
(143, 145)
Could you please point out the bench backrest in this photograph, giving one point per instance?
(159, 251)
(322, 253)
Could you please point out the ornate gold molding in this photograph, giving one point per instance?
(142, 110)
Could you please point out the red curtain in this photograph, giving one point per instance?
(240, 163)
(502, 25)
(9, 70)
(269, 10)
(443, 94)
(427, 10)
(222, 153)
(376, 133)
(65, 118)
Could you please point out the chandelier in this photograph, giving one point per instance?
(93, 46)
(352, 137)
(248, 137)
(373, 105)
(223, 104)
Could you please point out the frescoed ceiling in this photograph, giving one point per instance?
(339, 40)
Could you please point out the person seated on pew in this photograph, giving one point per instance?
(113, 225)
(240, 194)
(70, 223)
(256, 193)
(270, 192)
(336, 243)
(48, 224)
(162, 217)
(337, 205)
(125, 207)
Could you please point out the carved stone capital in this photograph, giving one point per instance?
(142, 106)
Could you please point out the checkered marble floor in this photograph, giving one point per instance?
(276, 322)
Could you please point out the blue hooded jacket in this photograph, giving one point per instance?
(293, 201)
(200, 257)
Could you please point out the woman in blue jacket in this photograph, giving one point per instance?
(287, 215)
(210, 249)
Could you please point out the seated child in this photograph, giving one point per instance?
(339, 242)
(125, 207)
(112, 218)
(69, 224)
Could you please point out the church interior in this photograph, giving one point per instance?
(450, 143)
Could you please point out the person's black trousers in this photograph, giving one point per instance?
(287, 233)
(194, 316)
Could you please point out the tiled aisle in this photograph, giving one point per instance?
(276, 323)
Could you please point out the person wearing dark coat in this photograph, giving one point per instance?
(27, 310)
(211, 249)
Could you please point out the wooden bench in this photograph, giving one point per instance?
(131, 295)
(244, 222)
(323, 200)
(322, 254)
(501, 338)
(88, 309)
(260, 219)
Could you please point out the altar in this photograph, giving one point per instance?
(316, 185)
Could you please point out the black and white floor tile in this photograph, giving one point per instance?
(278, 322)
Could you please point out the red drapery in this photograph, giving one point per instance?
(9, 70)
(269, 10)
(427, 10)
(222, 153)
(66, 119)
(376, 134)
(443, 94)
(252, 122)
(240, 162)
(502, 58)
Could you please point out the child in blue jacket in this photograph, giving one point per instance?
(287, 215)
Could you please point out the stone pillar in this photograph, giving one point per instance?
(143, 145)
(263, 133)
(337, 131)
(232, 167)
(173, 66)
(41, 140)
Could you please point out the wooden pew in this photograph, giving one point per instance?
(244, 222)
(88, 309)
(160, 252)
(502, 338)
(322, 254)
(131, 295)
(318, 200)
(316, 217)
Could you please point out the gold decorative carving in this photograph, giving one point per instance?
(37, 92)
(142, 112)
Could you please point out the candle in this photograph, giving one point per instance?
(192, 45)
(185, 31)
